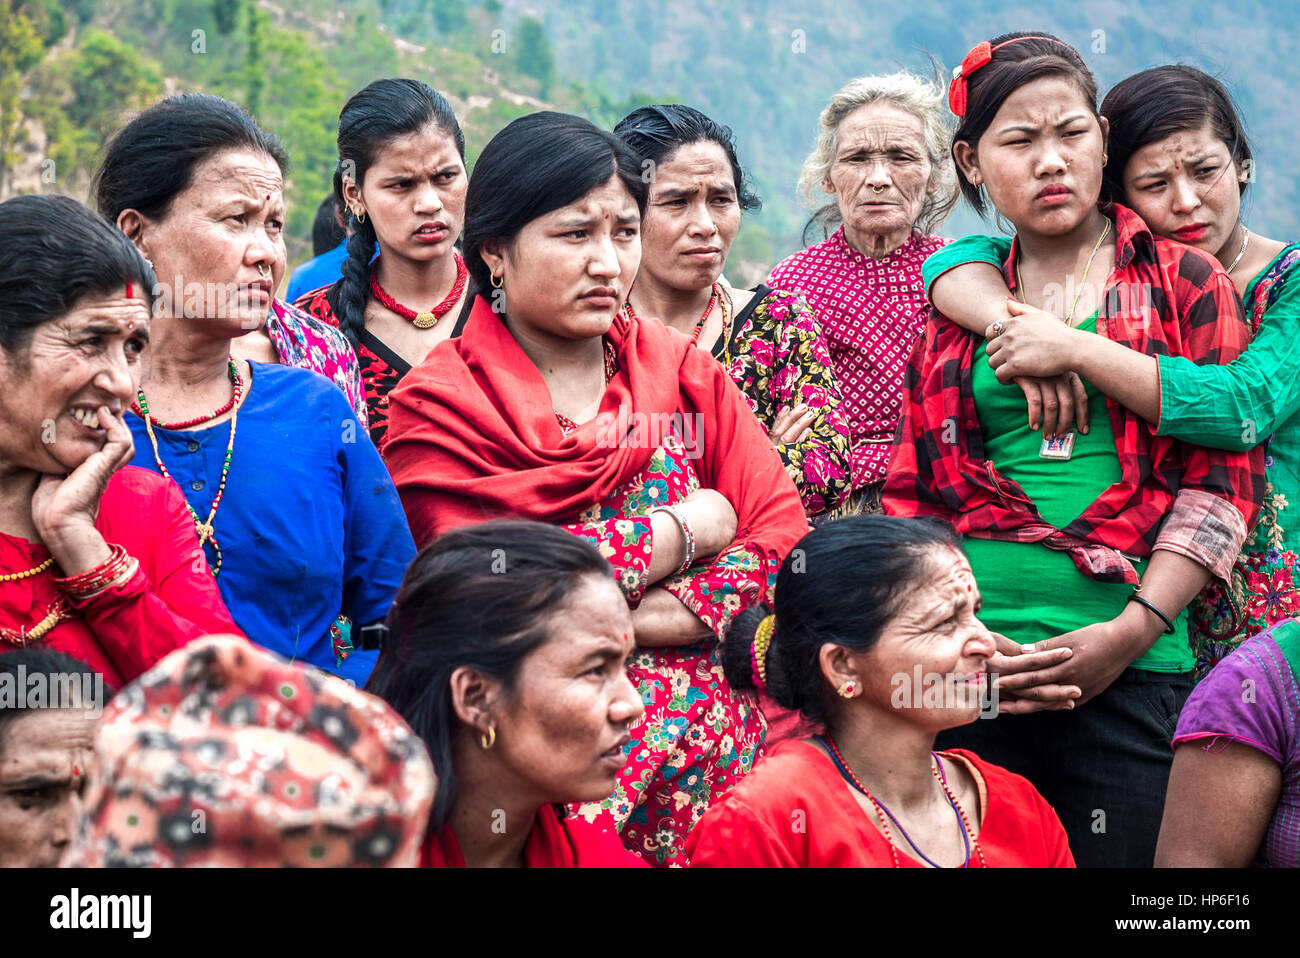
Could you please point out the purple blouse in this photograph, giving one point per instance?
(1252, 697)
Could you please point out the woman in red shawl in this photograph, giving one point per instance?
(98, 559)
(554, 406)
(505, 651)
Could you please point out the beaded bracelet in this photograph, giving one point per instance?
(116, 569)
(1169, 625)
(687, 534)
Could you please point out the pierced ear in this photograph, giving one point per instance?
(493, 254)
(838, 664)
(827, 185)
(132, 223)
(473, 698)
(967, 162)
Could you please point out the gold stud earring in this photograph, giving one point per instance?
(848, 689)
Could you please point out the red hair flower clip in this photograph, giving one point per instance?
(978, 57)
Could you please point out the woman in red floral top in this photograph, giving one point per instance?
(561, 408)
(402, 176)
(767, 339)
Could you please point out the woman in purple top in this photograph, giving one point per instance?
(1234, 790)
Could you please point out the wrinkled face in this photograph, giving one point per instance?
(44, 755)
(691, 218)
(1187, 187)
(414, 193)
(563, 729)
(567, 273)
(938, 630)
(219, 250)
(73, 365)
(1040, 158)
(880, 174)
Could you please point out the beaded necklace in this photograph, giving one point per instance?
(967, 834)
(429, 318)
(204, 529)
(715, 296)
(15, 576)
(59, 611)
(198, 420)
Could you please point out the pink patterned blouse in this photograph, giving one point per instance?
(305, 342)
(870, 311)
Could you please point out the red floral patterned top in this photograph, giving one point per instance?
(303, 341)
(716, 588)
(871, 312)
(381, 368)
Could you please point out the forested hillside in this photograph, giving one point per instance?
(70, 72)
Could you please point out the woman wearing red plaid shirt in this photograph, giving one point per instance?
(1093, 671)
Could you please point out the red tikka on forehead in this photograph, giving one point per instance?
(978, 58)
(130, 291)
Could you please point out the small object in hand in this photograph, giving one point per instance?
(1061, 447)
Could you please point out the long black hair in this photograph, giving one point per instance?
(55, 252)
(1154, 104)
(477, 597)
(371, 119)
(534, 166)
(152, 159)
(655, 132)
(1014, 65)
(842, 584)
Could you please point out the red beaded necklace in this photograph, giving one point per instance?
(715, 296)
(197, 420)
(429, 319)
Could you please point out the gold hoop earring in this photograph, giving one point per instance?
(848, 689)
(488, 739)
(497, 281)
(1105, 158)
(361, 217)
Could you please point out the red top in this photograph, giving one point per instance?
(553, 843)
(124, 631)
(795, 810)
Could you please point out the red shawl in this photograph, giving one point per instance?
(473, 436)
(553, 843)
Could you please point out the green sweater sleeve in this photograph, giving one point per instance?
(975, 248)
(1239, 405)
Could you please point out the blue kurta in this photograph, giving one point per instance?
(310, 525)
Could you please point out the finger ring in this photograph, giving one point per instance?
(998, 327)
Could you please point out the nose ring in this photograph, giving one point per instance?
(877, 189)
(264, 271)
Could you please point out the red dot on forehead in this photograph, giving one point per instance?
(129, 291)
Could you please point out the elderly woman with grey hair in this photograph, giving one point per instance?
(883, 154)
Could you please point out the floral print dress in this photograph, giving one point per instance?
(698, 737)
(776, 355)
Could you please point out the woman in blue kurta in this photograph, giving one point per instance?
(309, 526)
(294, 510)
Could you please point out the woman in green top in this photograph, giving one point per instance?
(1180, 159)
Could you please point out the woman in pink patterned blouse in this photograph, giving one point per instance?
(883, 154)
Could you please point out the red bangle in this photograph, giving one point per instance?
(117, 568)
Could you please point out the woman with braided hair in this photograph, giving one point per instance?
(401, 176)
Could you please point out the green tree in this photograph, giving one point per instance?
(533, 56)
(226, 13)
(20, 50)
(450, 16)
(108, 77)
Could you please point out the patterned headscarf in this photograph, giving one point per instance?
(223, 754)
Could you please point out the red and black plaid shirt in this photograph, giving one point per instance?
(1163, 298)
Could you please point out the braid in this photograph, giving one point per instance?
(353, 289)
